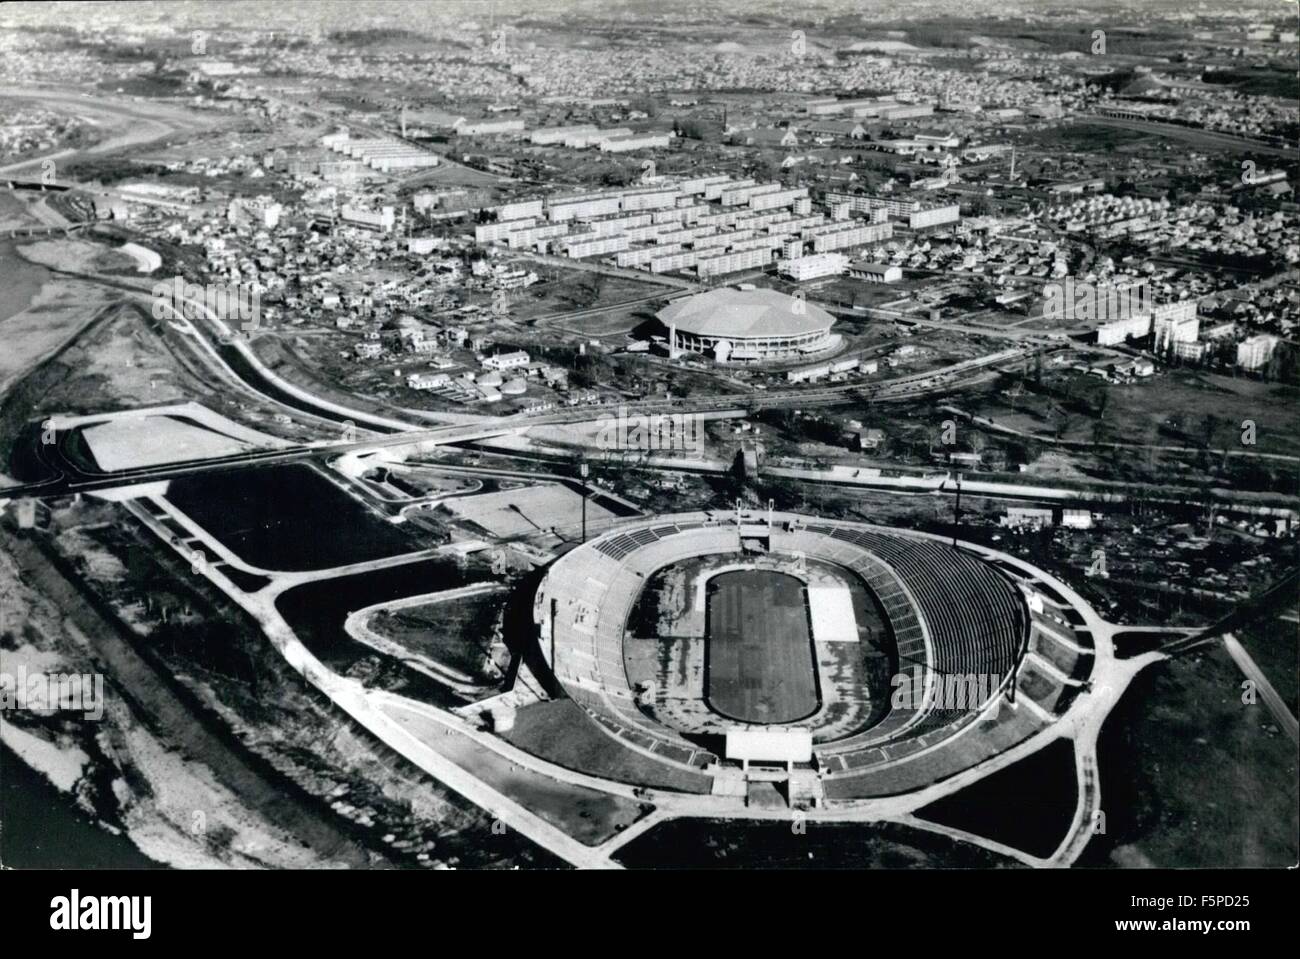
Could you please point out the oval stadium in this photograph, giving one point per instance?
(835, 660)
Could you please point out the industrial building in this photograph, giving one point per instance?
(875, 272)
(480, 128)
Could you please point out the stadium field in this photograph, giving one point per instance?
(759, 664)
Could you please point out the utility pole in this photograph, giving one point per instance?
(583, 470)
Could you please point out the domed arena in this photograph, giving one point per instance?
(748, 326)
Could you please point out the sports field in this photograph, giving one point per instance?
(759, 661)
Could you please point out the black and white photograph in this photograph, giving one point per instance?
(667, 436)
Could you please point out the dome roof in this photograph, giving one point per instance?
(742, 314)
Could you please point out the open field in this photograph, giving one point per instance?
(1273, 645)
(1139, 409)
(562, 733)
(456, 634)
(129, 444)
(760, 666)
(1027, 806)
(1194, 777)
(272, 518)
(67, 253)
(14, 212)
(589, 816)
(527, 510)
(450, 175)
(722, 844)
(1180, 408)
(120, 123)
(59, 310)
(563, 290)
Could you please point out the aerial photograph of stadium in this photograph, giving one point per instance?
(649, 435)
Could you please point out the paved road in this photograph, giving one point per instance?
(1272, 698)
(991, 424)
(1193, 134)
(588, 266)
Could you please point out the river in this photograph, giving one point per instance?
(43, 828)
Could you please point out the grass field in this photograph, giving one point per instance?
(457, 634)
(589, 816)
(1272, 643)
(525, 510)
(1192, 776)
(760, 666)
(563, 733)
(728, 844)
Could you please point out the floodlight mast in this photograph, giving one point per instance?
(956, 513)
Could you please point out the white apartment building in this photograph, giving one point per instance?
(653, 199)
(427, 381)
(495, 232)
(812, 267)
(643, 256)
(636, 141)
(733, 262)
(722, 240)
(591, 245)
(829, 106)
(1174, 323)
(549, 136)
(422, 245)
(1253, 353)
(619, 224)
(701, 184)
(840, 236)
(531, 236)
(382, 219)
(777, 198)
(714, 190)
(580, 141)
(736, 195)
(481, 128)
(1110, 334)
(520, 210)
(674, 261)
(907, 111)
(862, 203)
(768, 243)
(584, 208)
(934, 216)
